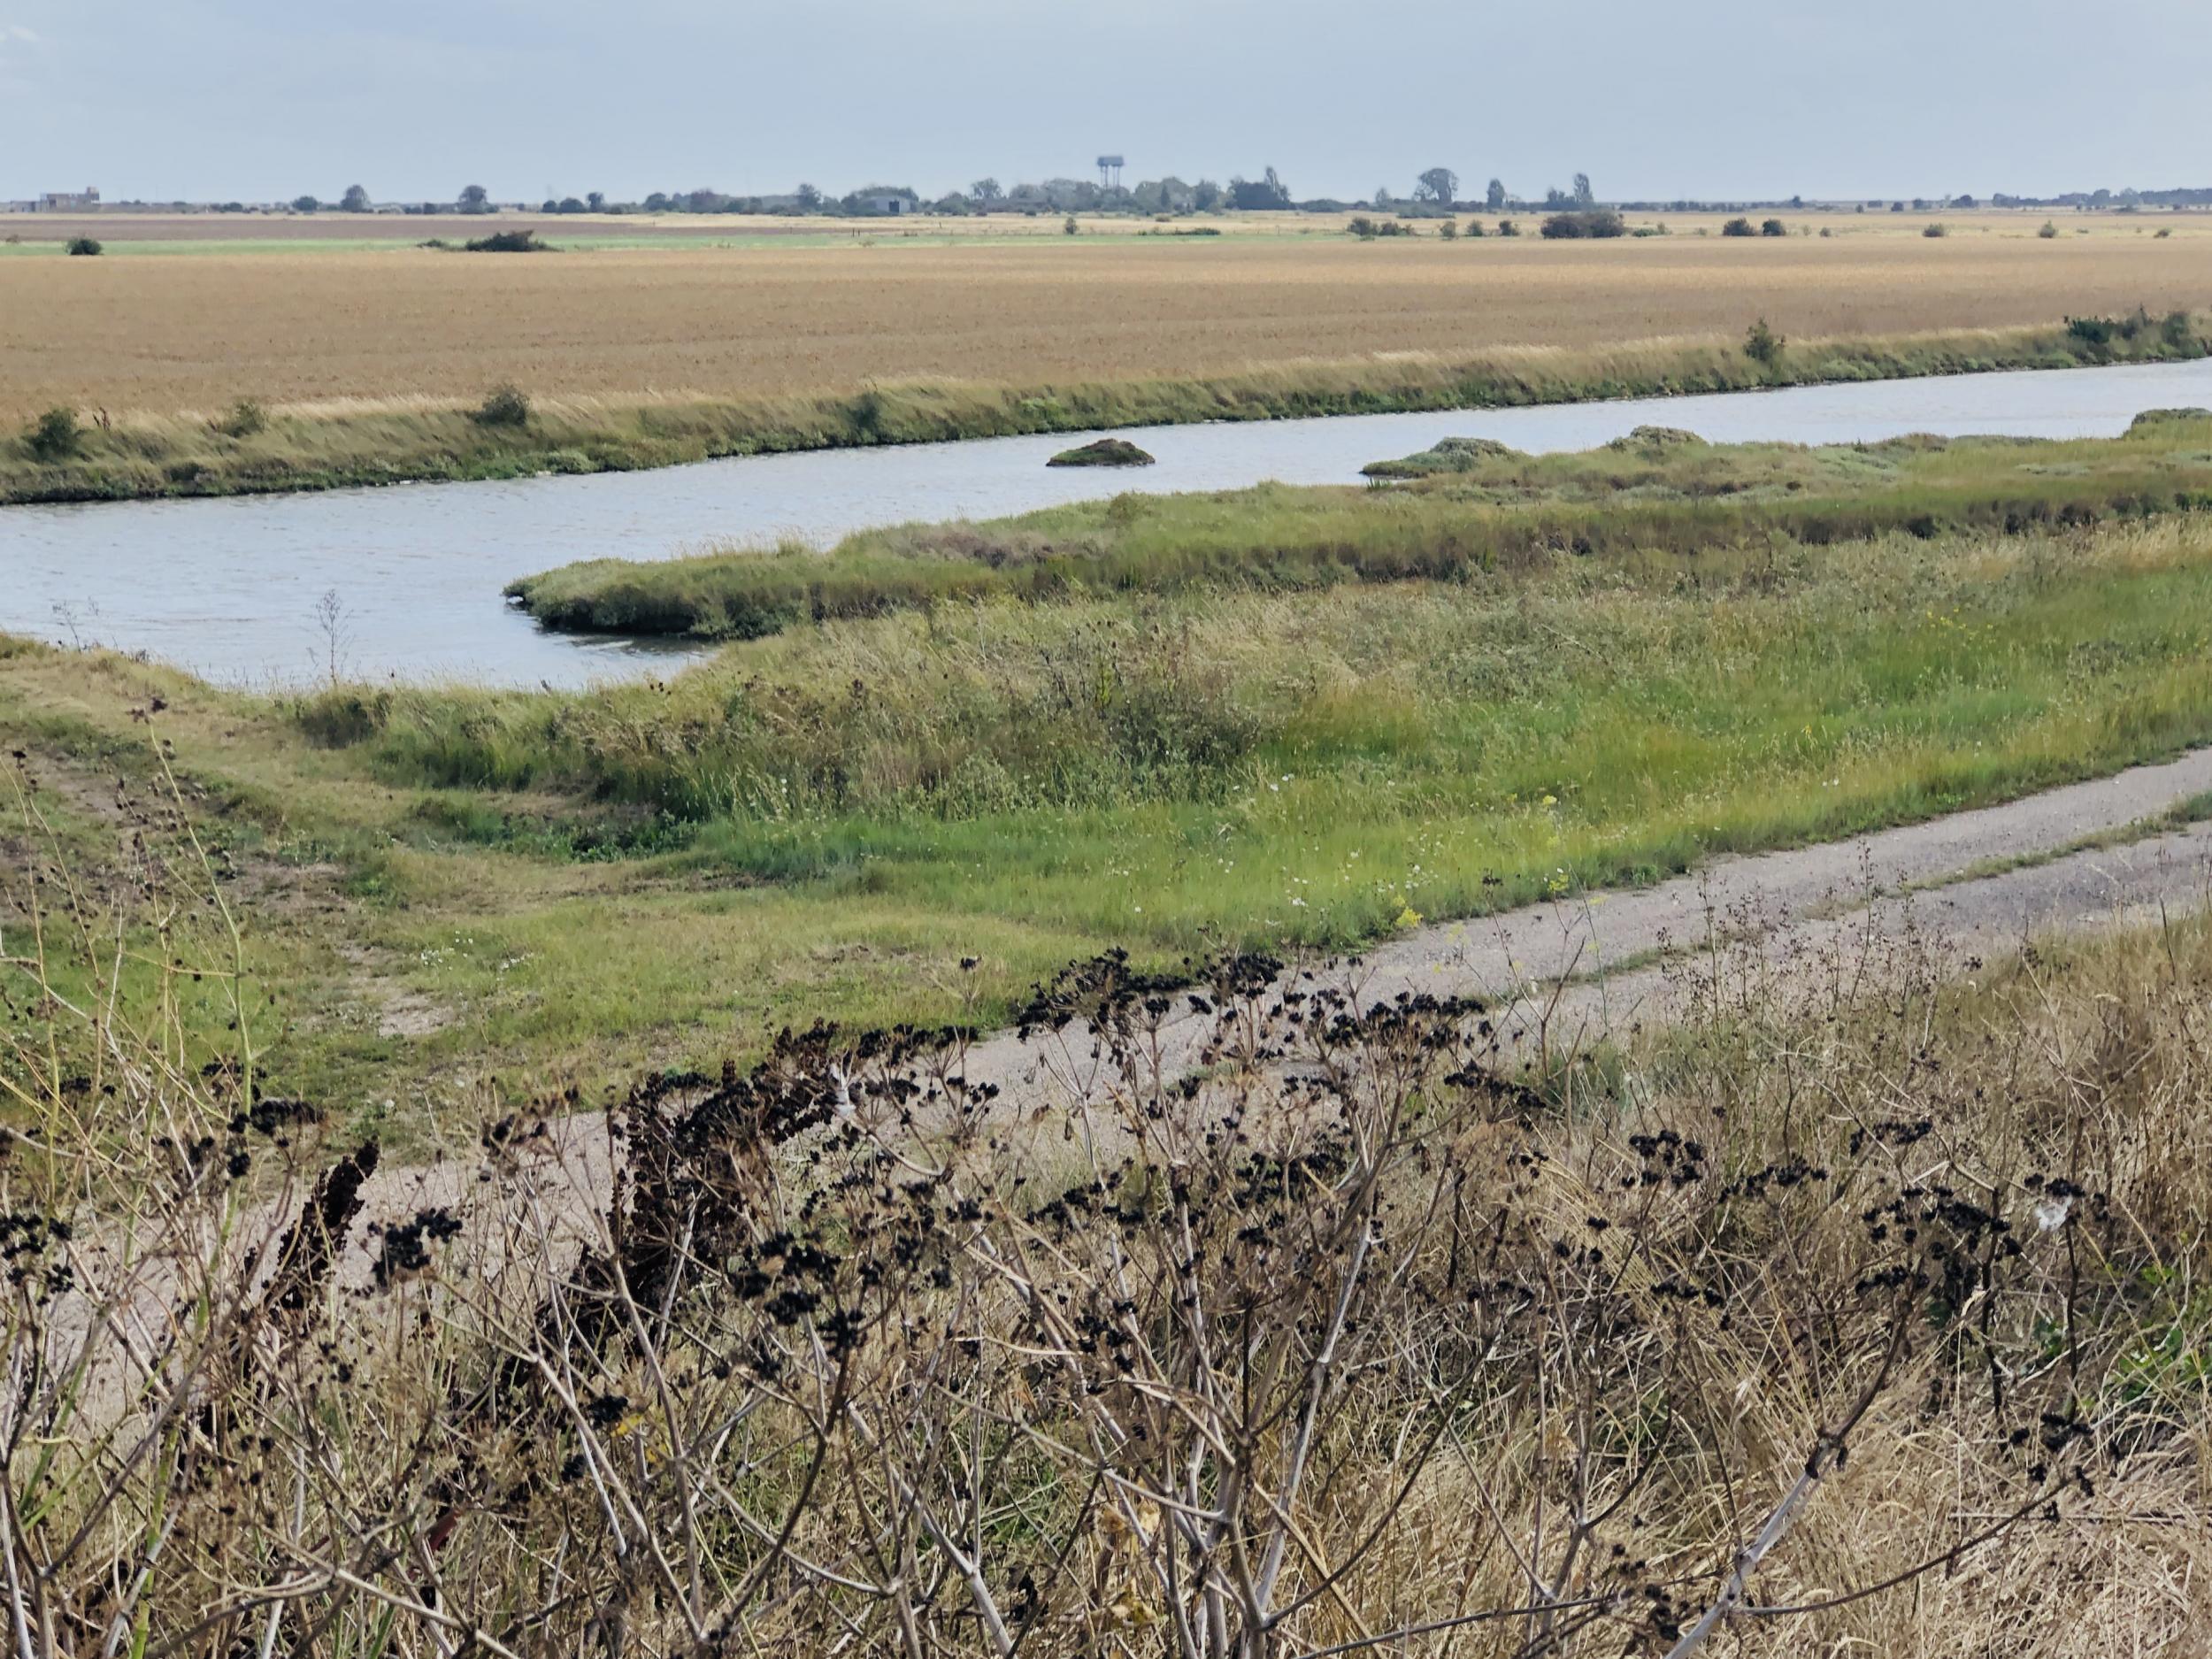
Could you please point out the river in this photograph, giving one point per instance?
(236, 588)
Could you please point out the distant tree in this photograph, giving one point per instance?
(1597, 222)
(570, 205)
(1440, 185)
(356, 200)
(809, 197)
(1267, 193)
(1737, 227)
(986, 192)
(1205, 195)
(703, 201)
(1496, 196)
(657, 203)
(475, 199)
(1773, 227)
(598, 200)
(304, 204)
(1583, 198)
(1383, 198)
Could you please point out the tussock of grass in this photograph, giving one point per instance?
(325, 445)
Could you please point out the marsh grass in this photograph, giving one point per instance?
(329, 444)
(1475, 509)
(1258, 766)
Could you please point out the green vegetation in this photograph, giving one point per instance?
(827, 821)
(1597, 223)
(56, 435)
(1103, 452)
(1485, 509)
(371, 444)
(503, 406)
(84, 247)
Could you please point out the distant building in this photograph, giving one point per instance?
(883, 203)
(69, 201)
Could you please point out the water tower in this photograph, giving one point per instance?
(1109, 172)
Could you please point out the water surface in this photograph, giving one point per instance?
(229, 587)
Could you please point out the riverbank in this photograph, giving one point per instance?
(453, 884)
(346, 444)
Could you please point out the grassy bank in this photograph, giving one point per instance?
(831, 821)
(328, 445)
(1465, 512)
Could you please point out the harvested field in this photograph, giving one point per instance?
(164, 336)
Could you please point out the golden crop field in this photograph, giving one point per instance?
(160, 334)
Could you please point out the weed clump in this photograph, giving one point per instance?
(1763, 345)
(245, 419)
(56, 435)
(85, 248)
(504, 405)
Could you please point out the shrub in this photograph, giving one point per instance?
(510, 242)
(1774, 227)
(505, 406)
(1069, 227)
(2049, 233)
(1763, 345)
(2176, 330)
(85, 246)
(1509, 227)
(1938, 229)
(1449, 230)
(245, 419)
(55, 435)
(1736, 227)
(1597, 222)
(1474, 228)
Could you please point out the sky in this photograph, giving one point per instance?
(265, 99)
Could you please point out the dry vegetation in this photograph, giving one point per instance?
(1873, 1322)
(164, 336)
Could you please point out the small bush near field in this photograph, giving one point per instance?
(510, 242)
(85, 246)
(1737, 227)
(503, 406)
(245, 418)
(55, 435)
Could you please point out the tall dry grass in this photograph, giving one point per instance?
(1869, 1321)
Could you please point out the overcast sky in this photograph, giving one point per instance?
(262, 99)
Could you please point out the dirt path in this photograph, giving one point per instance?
(1575, 972)
(1554, 977)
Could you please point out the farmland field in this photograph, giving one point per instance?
(161, 336)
